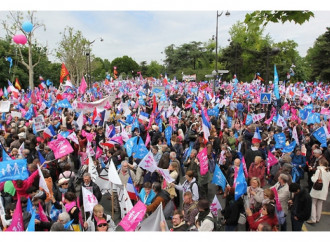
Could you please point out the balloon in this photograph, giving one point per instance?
(27, 26)
(20, 39)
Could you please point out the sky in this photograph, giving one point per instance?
(144, 32)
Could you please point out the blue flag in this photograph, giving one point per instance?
(49, 83)
(5, 156)
(219, 178)
(289, 148)
(168, 134)
(129, 119)
(241, 186)
(280, 140)
(140, 151)
(31, 225)
(129, 145)
(320, 135)
(41, 158)
(187, 153)
(68, 224)
(135, 125)
(276, 89)
(13, 170)
(229, 122)
(29, 206)
(249, 119)
(313, 118)
(295, 174)
(63, 104)
(29, 113)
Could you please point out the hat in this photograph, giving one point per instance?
(22, 135)
(62, 180)
(102, 221)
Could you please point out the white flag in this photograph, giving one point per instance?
(166, 175)
(2, 213)
(326, 132)
(20, 150)
(80, 120)
(169, 111)
(215, 206)
(92, 169)
(281, 122)
(295, 135)
(73, 137)
(42, 107)
(124, 134)
(89, 200)
(113, 175)
(125, 202)
(42, 182)
(257, 117)
(177, 109)
(89, 149)
(152, 223)
(148, 162)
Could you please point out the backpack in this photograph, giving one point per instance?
(217, 226)
(191, 185)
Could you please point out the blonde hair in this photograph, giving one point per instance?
(98, 208)
(255, 179)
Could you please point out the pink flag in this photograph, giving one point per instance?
(147, 139)
(73, 137)
(244, 167)
(118, 139)
(99, 152)
(133, 217)
(42, 214)
(271, 161)
(278, 204)
(61, 147)
(1, 92)
(83, 86)
(89, 136)
(9, 119)
(17, 222)
(203, 161)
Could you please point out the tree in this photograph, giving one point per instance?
(318, 57)
(125, 65)
(14, 24)
(257, 18)
(154, 69)
(72, 51)
(143, 68)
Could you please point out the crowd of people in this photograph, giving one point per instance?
(279, 146)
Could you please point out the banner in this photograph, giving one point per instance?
(13, 170)
(39, 123)
(257, 117)
(219, 178)
(133, 217)
(168, 134)
(289, 148)
(203, 161)
(89, 106)
(60, 147)
(4, 106)
(165, 174)
(215, 206)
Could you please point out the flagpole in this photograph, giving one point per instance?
(112, 202)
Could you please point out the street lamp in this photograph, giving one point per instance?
(216, 45)
(88, 60)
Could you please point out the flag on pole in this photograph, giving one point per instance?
(203, 161)
(295, 135)
(240, 184)
(133, 217)
(17, 84)
(132, 193)
(148, 163)
(219, 178)
(64, 72)
(215, 206)
(271, 161)
(152, 223)
(41, 158)
(42, 182)
(89, 200)
(17, 221)
(31, 225)
(206, 128)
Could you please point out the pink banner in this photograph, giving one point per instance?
(278, 204)
(203, 161)
(89, 136)
(271, 161)
(147, 139)
(99, 152)
(133, 217)
(61, 147)
(325, 111)
(244, 167)
(17, 222)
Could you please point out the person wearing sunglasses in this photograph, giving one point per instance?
(102, 226)
(98, 215)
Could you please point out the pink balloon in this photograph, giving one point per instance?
(20, 39)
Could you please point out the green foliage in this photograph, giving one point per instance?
(258, 18)
(125, 64)
(318, 58)
(154, 69)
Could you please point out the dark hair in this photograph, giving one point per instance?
(70, 196)
(156, 186)
(190, 173)
(147, 185)
(270, 208)
(203, 204)
(294, 187)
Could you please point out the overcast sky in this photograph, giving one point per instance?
(144, 34)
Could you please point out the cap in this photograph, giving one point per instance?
(102, 221)
(62, 180)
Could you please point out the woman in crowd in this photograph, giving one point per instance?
(99, 217)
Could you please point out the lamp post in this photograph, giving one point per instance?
(216, 46)
(88, 60)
